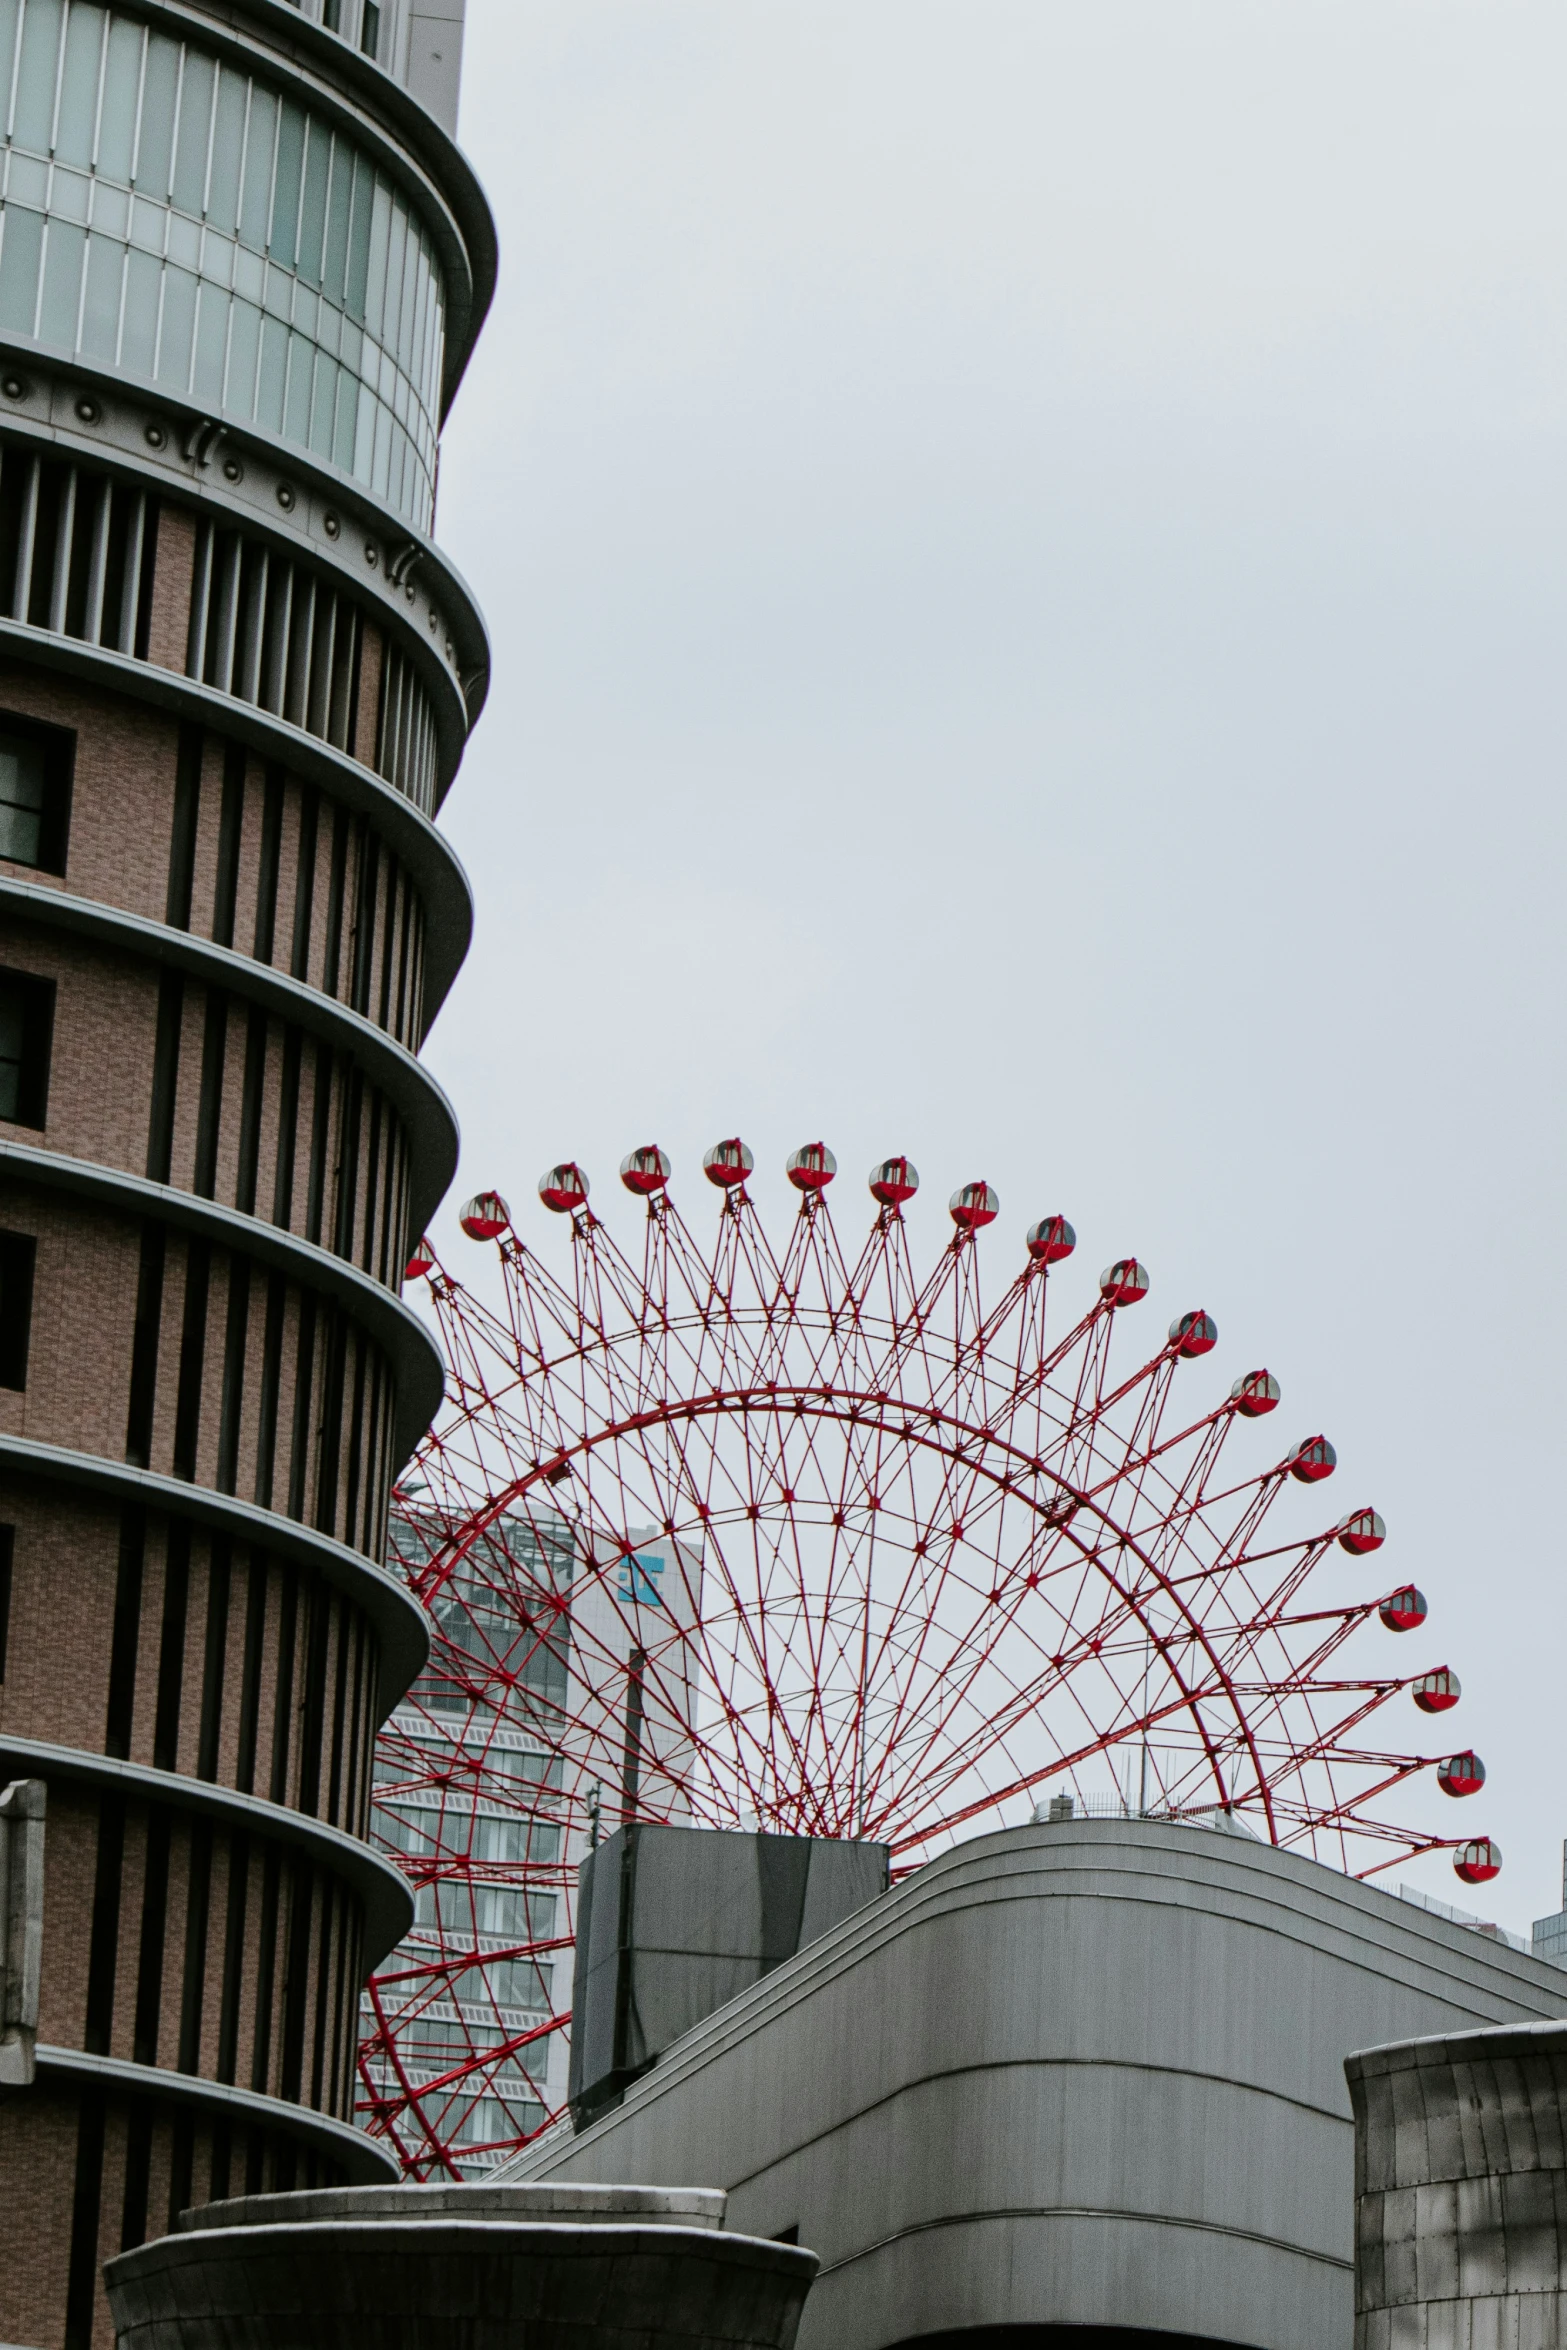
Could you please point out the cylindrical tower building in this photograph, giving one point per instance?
(242, 266)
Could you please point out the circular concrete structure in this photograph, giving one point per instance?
(1461, 2191)
(461, 2268)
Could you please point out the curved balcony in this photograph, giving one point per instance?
(380, 1888)
(427, 1116)
(400, 1623)
(363, 2162)
(395, 1327)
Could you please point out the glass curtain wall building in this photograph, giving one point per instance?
(186, 219)
(492, 1780)
(242, 268)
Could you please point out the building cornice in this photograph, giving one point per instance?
(283, 496)
(429, 1122)
(384, 1897)
(418, 1377)
(400, 1624)
(367, 2163)
(442, 884)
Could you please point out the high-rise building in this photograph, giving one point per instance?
(1549, 1939)
(242, 267)
(558, 1706)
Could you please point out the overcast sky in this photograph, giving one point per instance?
(1024, 544)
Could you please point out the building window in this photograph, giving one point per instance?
(370, 30)
(26, 1039)
(17, 1252)
(332, 15)
(7, 1541)
(36, 763)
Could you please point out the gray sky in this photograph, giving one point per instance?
(1025, 550)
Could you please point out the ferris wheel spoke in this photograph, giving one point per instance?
(919, 1552)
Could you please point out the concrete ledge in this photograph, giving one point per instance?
(385, 1899)
(429, 1120)
(363, 2158)
(401, 1625)
(416, 1364)
(643, 2207)
(408, 832)
(486, 2283)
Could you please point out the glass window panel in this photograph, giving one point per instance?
(364, 434)
(334, 273)
(244, 344)
(211, 347)
(296, 412)
(183, 237)
(396, 250)
(79, 86)
(382, 462)
(160, 80)
(347, 417)
(35, 76)
(139, 334)
(121, 83)
(27, 181)
(174, 335)
(260, 139)
(284, 239)
(312, 210)
(273, 377)
(12, 1022)
(323, 405)
(520, 1982)
(419, 317)
(359, 238)
(69, 192)
(62, 293)
(101, 310)
(380, 229)
(8, 9)
(21, 801)
(195, 127)
(407, 309)
(228, 140)
(149, 224)
(111, 210)
(424, 341)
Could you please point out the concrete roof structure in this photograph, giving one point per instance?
(1087, 2073)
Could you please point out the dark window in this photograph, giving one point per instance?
(332, 15)
(370, 30)
(17, 1252)
(7, 1543)
(36, 765)
(26, 1036)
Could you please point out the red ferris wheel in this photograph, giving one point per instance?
(783, 1532)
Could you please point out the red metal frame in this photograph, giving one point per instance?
(921, 1561)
